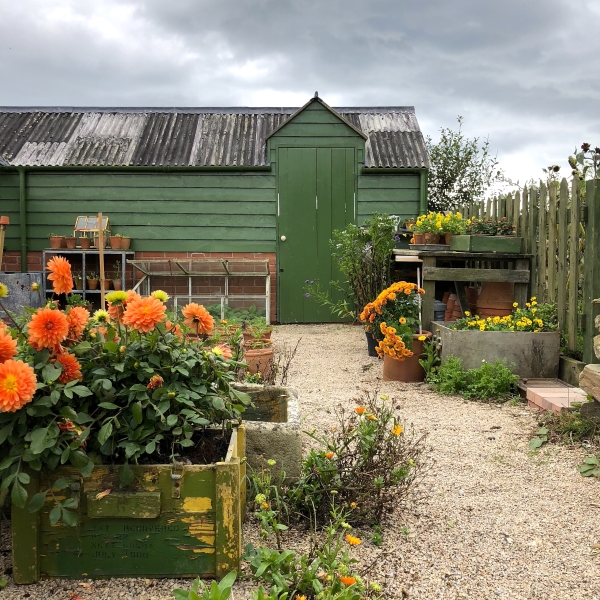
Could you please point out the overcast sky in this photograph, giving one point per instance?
(526, 73)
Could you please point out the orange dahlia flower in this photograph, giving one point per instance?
(17, 385)
(71, 369)
(47, 328)
(223, 350)
(156, 381)
(116, 309)
(60, 275)
(144, 314)
(8, 346)
(174, 329)
(78, 318)
(198, 317)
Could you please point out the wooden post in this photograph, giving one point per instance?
(541, 291)
(509, 207)
(552, 244)
(562, 254)
(525, 221)
(4, 222)
(517, 214)
(522, 289)
(227, 517)
(428, 304)
(533, 237)
(573, 310)
(101, 258)
(591, 290)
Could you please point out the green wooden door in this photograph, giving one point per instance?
(316, 189)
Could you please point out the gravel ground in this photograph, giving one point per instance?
(492, 520)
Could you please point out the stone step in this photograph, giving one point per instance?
(555, 398)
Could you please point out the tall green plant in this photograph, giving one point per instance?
(362, 255)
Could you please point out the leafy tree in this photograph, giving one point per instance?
(461, 171)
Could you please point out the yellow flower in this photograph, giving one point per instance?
(397, 430)
(353, 541)
(467, 313)
(116, 296)
(352, 504)
(422, 338)
(3, 290)
(34, 287)
(533, 298)
(160, 295)
(528, 305)
(534, 304)
(101, 316)
(534, 310)
(402, 321)
(515, 304)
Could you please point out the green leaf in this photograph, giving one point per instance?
(86, 471)
(69, 517)
(591, 460)
(186, 443)
(108, 405)
(126, 474)
(38, 440)
(107, 384)
(54, 515)
(111, 347)
(68, 413)
(64, 457)
(24, 478)
(105, 432)
(62, 483)
(150, 447)
(136, 411)
(542, 431)
(536, 442)
(18, 494)
(82, 348)
(70, 503)
(51, 373)
(37, 501)
(218, 403)
(78, 459)
(81, 391)
(171, 420)
(5, 432)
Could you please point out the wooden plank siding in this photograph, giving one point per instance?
(194, 212)
(9, 207)
(393, 194)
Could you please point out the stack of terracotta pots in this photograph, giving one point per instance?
(496, 299)
(453, 309)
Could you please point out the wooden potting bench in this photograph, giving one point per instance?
(441, 265)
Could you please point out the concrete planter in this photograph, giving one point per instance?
(534, 355)
(273, 427)
(172, 521)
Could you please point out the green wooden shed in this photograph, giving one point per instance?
(214, 182)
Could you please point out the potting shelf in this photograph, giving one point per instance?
(123, 255)
(441, 265)
(211, 268)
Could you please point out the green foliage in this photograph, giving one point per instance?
(541, 437)
(362, 255)
(491, 226)
(376, 537)
(430, 359)
(570, 427)
(115, 414)
(461, 169)
(590, 467)
(236, 315)
(491, 381)
(368, 462)
(199, 591)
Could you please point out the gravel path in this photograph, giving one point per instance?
(492, 521)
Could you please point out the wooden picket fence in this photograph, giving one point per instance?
(560, 226)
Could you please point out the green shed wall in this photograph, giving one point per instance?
(175, 211)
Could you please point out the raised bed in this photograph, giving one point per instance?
(533, 355)
(273, 428)
(172, 521)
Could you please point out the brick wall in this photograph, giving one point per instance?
(11, 262)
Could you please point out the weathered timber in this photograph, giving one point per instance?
(561, 304)
(469, 274)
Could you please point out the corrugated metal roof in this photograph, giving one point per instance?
(187, 136)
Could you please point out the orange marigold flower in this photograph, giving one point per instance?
(397, 430)
(406, 352)
(407, 291)
(402, 321)
(353, 541)
(420, 290)
(78, 318)
(47, 328)
(265, 505)
(8, 346)
(198, 317)
(71, 369)
(156, 381)
(17, 385)
(60, 275)
(329, 455)
(383, 328)
(347, 580)
(360, 410)
(144, 314)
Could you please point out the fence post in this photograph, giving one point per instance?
(552, 243)
(525, 220)
(542, 290)
(517, 215)
(574, 264)
(533, 246)
(591, 285)
(562, 254)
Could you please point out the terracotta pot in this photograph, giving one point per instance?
(92, 284)
(71, 242)
(448, 237)
(106, 284)
(259, 360)
(4, 221)
(496, 298)
(408, 369)
(97, 241)
(125, 243)
(56, 242)
(419, 238)
(432, 238)
(117, 284)
(85, 243)
(78, 283)
(115, 242)
(445, 297)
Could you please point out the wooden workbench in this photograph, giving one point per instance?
(439, 265)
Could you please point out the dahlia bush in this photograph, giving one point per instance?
(124, 385)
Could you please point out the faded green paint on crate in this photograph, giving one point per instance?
(484, 243)
(198, 530)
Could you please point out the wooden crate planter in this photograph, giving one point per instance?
(172, 521)
(486, 243)
(534, 355)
